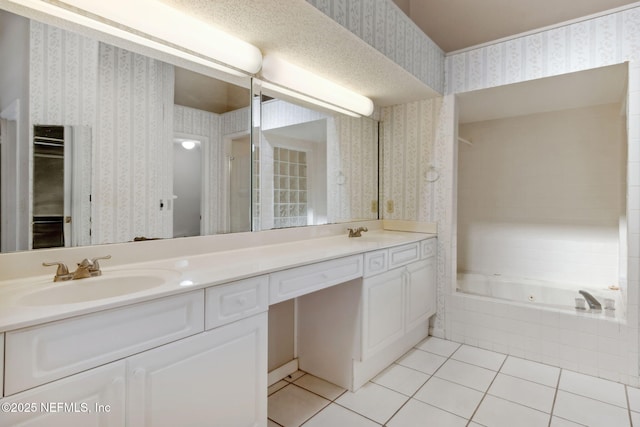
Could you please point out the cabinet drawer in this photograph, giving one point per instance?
(403, 255)
(228, 303)
(376, 262)
(65, 347)
(428, 248)
(287, 284)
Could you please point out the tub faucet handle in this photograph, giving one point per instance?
(594, 304)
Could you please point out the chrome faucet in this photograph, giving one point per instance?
(356, 232)
(86, 268)
(594, 304)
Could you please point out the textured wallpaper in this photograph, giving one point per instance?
(408, 137)
(384, 26)
(606, 40)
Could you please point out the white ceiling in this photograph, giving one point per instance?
(457, 24)
(604, 85)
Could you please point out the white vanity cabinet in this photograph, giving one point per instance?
(383, 312)
(157, 353)
(217, 379)
(397, 298)
(92, 398)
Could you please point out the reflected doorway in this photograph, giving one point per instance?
(187, 187)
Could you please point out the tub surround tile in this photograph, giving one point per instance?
(594, 388)
(451, 397)
(416, 413)
(467, 375)
(531, 371)
(496, 412)
(292, 405)
(438, 346)
(527, 393)
(479, 357)
(373, 401)
(589, 411)
(401, 379)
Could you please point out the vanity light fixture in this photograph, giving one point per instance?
(154, 24)
(291, 80)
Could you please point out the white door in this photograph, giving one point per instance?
(420, 288)
(214, 379)
(92, 398)
(383, 314)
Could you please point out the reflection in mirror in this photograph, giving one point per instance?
(61, 202)
(133, 108)
(313, 167)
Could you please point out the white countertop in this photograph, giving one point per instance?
(191, 273)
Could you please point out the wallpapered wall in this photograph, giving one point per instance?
(408, 135)
(384, 26)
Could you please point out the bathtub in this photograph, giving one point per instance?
(539, 293)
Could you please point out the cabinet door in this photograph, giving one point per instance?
(421, 292)
(214, 379)
(382, 304)
(92, 398)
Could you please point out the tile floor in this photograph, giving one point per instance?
(442, 383)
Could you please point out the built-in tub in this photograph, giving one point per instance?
(545, 294)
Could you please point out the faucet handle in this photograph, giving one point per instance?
(94, 261)
(62, 273)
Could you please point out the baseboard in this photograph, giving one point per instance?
(283, 371)
(436, 332)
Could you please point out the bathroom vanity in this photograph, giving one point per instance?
(192, 350)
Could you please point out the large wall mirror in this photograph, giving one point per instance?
(142, 148)
(312, 166)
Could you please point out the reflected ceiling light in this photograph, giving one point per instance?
(154, 24)
(188, 144)
(302, 83)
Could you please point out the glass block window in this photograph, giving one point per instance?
(289, 187)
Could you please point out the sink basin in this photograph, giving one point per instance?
(110, 284)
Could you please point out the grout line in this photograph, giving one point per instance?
(278, 424)
(487, 390)
(626, 394)
(555, 396)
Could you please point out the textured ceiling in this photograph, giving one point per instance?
(457, 24)
(301, 34)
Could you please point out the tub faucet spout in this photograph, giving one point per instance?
(594, 304)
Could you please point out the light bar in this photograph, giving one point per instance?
(164, 24)
(315, 89)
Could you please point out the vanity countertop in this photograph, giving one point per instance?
(189, 273)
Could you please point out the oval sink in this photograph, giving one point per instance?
(109, 285)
